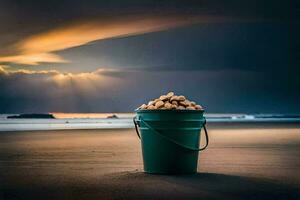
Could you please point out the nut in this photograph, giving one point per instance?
(181, 98)
(185, 103)
(163, 97)
(151, 107)
(193, 103)
(168, 105)
(156, 100)
(175, 103)
(173, 106)
(181, 107)
(190, 108)
(159, 104)
(174, 98)
(151, 103)
(170, 94)
(171, 101)
(198, 107)
(144, 106)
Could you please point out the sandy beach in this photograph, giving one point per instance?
(243, 161)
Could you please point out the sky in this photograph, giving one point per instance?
(111, 56)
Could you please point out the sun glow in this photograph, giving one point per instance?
(85, 81)
(41, 48)
(80, 79)
(33, 59)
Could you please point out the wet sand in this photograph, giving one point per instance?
(243, 161)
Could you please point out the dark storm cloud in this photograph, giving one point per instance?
(216, 46)
(242, 56)
(58, 10)
(42, 91)
(20, 18)
(217, 91)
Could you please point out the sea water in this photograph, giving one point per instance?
(64, 121)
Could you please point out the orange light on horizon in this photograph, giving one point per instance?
(61, 115)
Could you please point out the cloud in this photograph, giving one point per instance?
(86, 82)
(40, 48)
(33, 58)
(41, 91)
(48, 27)
(5, 70)
(52, 90)
(109, 91)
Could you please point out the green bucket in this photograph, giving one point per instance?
(170, 140)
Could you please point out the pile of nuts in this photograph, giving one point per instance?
(171, 101)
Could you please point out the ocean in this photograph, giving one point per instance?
(65, 121)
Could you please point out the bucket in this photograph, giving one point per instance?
(170, 140)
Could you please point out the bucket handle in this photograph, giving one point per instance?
(136, 124)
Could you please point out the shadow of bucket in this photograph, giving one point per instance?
(170, 139)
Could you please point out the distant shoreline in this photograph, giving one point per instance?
(90, 121)
(32, 116)
(124, 123)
